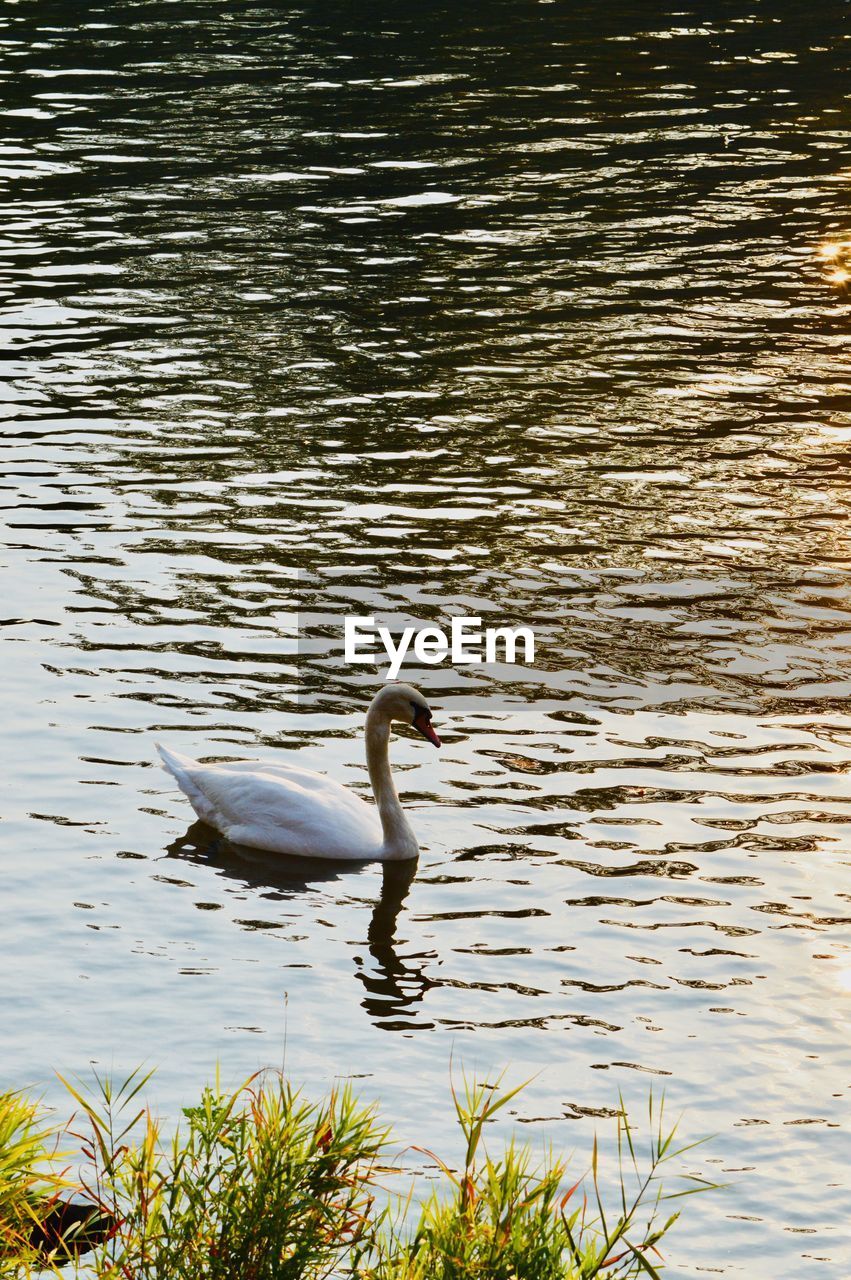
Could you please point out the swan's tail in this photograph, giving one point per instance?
(182, 769)
(176, 765)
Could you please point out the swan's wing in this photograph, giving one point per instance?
(306, 778)
(266, 812)
(275, 808)
(180, 766)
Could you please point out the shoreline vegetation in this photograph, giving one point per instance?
(263, 1184)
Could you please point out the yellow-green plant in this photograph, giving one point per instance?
(504, 1219)
(258, 1184)
(30, 1181)
(261, 1184)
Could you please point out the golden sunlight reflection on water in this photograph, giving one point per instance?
(837, 254)
(843, 980)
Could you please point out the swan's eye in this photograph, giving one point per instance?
(421, 711)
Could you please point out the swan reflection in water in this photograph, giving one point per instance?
(394, 985)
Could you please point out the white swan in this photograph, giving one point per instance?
(286, 809)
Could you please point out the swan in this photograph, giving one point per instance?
(285, 809)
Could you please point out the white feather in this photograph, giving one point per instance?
(290, 810)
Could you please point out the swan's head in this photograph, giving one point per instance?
(404, 702)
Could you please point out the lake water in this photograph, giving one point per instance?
(535, 312)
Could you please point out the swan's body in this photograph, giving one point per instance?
(286, 809)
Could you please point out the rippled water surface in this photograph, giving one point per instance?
(535, 312)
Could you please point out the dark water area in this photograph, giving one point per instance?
(537, 312)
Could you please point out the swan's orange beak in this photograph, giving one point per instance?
(422, 724)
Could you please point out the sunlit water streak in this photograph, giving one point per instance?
(537, 318)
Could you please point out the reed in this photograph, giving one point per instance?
(262, 1184)
(258, 1184)
(31, 1180)
(505, 1219)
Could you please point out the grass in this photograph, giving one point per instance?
(31, 1180)
(262, 1184)
(504, 1219)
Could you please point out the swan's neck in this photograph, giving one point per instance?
(399, 839)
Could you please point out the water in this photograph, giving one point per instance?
(523, 313)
